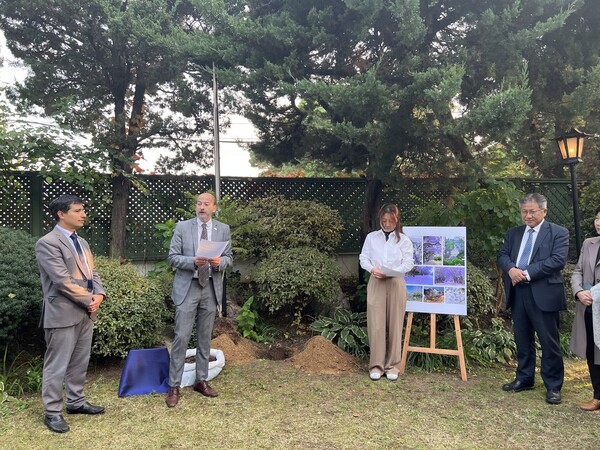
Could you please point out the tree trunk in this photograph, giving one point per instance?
(127, 140)
(500, 295)
(371, 206)
(118, 222)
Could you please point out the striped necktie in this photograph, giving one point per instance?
(524, 259)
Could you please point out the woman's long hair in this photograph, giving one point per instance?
(392, 209)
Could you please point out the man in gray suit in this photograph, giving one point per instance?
(73, 293)
(197, 292)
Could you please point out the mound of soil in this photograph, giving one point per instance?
(225, 325)
(310, 354)
(322, 356)
(241, 351)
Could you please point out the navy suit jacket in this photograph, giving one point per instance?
(548, 258)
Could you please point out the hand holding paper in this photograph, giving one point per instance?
(391, 272)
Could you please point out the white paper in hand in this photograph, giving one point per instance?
(596, 313)
(391, 272)
(210, 249)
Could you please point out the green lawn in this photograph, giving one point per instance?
(270, 405)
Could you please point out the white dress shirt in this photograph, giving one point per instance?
(536, 232)
(393, 254)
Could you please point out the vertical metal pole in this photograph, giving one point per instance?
(218, 168)
(575, 208)
(216, 135)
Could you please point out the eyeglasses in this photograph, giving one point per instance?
(531, 212)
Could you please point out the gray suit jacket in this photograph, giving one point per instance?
(585, 275)
(64, 280)
(183, 251)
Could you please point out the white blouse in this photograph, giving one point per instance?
(393, 254)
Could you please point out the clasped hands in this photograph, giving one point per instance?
(585, 297)
(96, 300)
(200, 261)
(517, 276)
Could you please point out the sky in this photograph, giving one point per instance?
(234, 159)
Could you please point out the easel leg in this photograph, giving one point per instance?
(432, 345)
(409, 321)
(460, 349)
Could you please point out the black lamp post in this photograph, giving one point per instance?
(570, 145)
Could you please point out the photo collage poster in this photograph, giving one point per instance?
(438, 281)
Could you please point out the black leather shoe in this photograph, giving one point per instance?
(86, 408)
(56, 423)
(553, 397)
(517, 386)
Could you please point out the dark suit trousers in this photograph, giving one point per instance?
(527, 320)
(593, 368)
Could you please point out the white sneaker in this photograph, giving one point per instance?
(392, 376)
(375, 376)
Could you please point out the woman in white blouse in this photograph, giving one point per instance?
(387, 254)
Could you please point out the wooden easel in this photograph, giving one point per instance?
(432, 348)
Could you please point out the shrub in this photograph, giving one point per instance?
(251, 326)
(567, 317)
(132, 314)
(239, 287)
(489, 346)
(480, 293)
(590, 201)
(359, 300)
(296, 277)
(482, 346)
(347, 329)
(20, 287)
(276, 223)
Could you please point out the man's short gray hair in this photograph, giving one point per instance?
(541, 201)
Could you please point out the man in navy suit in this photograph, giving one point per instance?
(197, 292)
(532, 258)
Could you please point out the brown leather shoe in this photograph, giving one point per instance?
(592, 405)
(203, 387)
(172, 397)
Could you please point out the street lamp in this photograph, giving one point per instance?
(570, 145)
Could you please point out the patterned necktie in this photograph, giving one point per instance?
(524, 259)
(203, 270)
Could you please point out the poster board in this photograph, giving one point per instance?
(437, 284)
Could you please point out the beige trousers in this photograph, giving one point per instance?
(386, 305)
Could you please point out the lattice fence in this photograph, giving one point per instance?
(26, 196)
